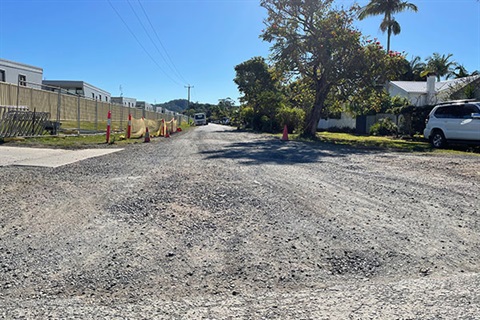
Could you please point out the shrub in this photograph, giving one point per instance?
(292, 117)
(246, 116)
(384, 127)
(266, 124)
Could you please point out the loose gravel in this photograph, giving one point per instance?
(218, 224)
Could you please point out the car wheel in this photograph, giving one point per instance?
(438, 139)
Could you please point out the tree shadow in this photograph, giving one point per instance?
(275, 151)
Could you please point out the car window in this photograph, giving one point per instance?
(467, 110)
(446, 112)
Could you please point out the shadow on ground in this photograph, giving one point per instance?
(276, 151)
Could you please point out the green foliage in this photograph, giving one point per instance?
(415, 68)
(313, 40)
(246, 115)
(300, 93)
(253, 77)
(397, 104)
(440, 65)
(264, 123)
(316, 42)
(384, 127)
(260, 89)
(292, 117)
(177, 105)
(469, 91)
(225, 108)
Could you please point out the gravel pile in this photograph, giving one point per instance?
(214, 223)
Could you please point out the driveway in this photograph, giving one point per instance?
(42, 157)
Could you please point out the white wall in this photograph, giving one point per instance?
(345, 121)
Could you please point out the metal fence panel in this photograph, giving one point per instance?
(72, 110)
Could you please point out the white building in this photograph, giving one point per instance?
(431, 92)
(144, 105)
(80, 88)
(124, 101)
(19, 73)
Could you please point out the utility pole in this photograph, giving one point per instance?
(188, 87)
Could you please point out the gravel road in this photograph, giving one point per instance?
(218, 224)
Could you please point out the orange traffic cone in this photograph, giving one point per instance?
(147, 136)
(285, 134)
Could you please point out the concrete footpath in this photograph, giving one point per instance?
(52, 158)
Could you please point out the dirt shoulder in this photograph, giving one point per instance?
(220, 224)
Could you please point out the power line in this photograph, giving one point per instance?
(161, 44)
(138, 41)
(153, 42)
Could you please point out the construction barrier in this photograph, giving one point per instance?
(157, 128)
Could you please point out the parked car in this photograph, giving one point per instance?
(200, 119)
(453, 122)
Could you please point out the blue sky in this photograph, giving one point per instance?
(201, 41)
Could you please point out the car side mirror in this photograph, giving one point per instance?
(476, 116)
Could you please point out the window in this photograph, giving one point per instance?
(100, 97)
(93, 96)
(2, 75)
(456, 112)
(467, 110)
(22, 80)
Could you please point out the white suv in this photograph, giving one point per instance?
(454, 121)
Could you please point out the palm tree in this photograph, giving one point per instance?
(461, 72)
(386, 8)
(441, 66)
(416, 68)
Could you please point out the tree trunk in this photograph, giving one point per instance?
(311, 122)
(389, 34)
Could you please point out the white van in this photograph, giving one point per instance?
(200, 119)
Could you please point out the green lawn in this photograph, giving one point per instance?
(387, 143)
(374, 141)
(72, 141)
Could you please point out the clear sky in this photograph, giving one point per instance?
(192, 42)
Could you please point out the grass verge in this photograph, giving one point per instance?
(73, 141)
(386, 143)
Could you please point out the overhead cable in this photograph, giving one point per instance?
(161, 44)
(141, 45)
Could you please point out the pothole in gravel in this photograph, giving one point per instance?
(354, 263)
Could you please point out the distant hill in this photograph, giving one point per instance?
(178, 105)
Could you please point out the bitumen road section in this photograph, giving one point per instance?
(52, 158)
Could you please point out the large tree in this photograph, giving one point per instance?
(314, 41)
(260, 89)
(387, 8)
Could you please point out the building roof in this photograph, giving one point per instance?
(73, 84)
(14, 64)
(421, 86)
